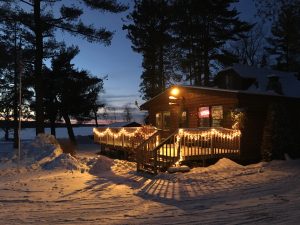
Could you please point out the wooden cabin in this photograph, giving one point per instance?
(199, 123)
(247, 91)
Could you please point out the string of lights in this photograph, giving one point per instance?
(209, 133)
(122, 132)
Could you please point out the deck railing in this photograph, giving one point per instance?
(187, 144)
(124, 137)
(209, 142)
(153, 155)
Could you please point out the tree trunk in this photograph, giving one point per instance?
(6, 136)
(52, 127)
(69, 128)
(96, 118)
(38, 63)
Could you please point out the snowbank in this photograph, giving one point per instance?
(101, 164)
(64, 161)
(225, 164)
(42, 149)
(44, 152)
(118, 167)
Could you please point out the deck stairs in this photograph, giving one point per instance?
(154, 155)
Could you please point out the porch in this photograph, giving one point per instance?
(153, 153)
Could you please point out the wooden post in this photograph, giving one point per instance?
(155, 163)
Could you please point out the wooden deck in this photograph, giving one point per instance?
(153, 153)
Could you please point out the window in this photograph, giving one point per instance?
(166, 120)
(204, 114)
(163, 120)
(183, 119)
(216, 115)
(210, 116)
(158, 119)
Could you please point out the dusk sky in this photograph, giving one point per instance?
(118, 61)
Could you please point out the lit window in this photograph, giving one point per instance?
(216, 115)
(204, 115)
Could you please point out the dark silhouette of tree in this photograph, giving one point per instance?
(182, 37)
(278, 136)
(202, 29)
(41, 24)
(284, 43)
(249, 49)
(127, 113)
(149, 32)
(12, 66)
(71, 93)
(270, 9)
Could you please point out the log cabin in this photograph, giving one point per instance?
(239, 89)
(199, 123)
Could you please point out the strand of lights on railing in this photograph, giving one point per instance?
(121, 132)
(206, 134)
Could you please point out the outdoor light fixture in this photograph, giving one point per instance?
(175, 91)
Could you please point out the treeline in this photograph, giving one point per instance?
(189, 40)
(27, 39)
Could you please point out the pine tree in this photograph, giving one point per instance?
(278, 137)
(41, 23)
(12, 66)
(202, 28)
(285, 40)
(70, 93)
(149, 32)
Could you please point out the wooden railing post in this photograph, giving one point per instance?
(155, 163)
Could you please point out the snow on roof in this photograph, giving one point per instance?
(289, 82)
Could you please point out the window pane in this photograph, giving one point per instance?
(204, 114)
(158, 118)
(166, 120)
(216, 115)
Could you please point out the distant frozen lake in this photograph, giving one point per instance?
(61, 132)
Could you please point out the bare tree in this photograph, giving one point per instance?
(250, 48)
(127, 113)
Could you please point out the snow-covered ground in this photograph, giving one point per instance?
(54, 188)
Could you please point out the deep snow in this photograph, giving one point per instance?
(55, 188)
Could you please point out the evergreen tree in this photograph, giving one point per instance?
(278, 137)
(71, 93)
(13, 45)
(41, 23)
(149, 32)
(285, 40)
(202, 29)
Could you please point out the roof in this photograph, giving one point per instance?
(268, 93)
(289, 82)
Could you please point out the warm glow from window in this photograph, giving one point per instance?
(204, 112)
(175, 91)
